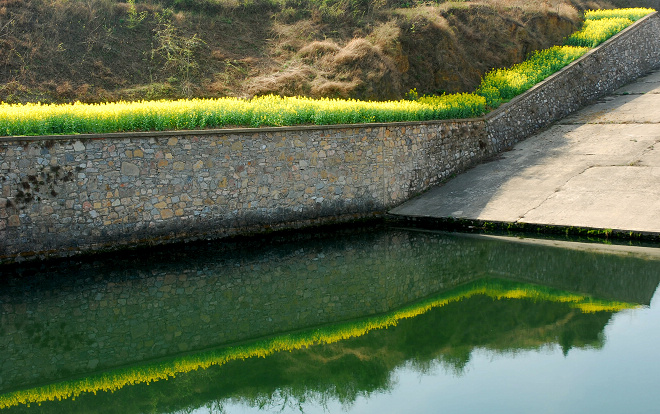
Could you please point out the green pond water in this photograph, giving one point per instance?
(375, 320)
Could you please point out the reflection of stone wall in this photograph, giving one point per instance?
(604, 276)
(95, 315)
(102, 316)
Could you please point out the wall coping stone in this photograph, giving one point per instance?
(226, 131)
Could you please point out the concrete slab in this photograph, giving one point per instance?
(650, 77)
(604, 197)
(598, 168)
(640, 89)
(651, 157)
(646, 84)
(620, 109)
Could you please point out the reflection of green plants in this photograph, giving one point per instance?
(117, 379)
(442, 339)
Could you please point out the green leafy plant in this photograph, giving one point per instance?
(633, 14)
(38, 119)
(600, 25)
(501, 85)
(134, 18)
(412, 95)
(595, 32)
(177, 50)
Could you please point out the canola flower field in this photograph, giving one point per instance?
(600, 25)
(38, 119)
(119, 378)
(501, 85)
(497, 86)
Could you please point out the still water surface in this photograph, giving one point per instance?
(368, 321)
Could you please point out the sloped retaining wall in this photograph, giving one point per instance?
(63, 195)
(622, 59)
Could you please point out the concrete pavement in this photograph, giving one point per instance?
(598, 168)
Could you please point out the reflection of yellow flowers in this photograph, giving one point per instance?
(120, 378)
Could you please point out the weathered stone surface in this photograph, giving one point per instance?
(128, 168)
(597, 168)
(123, 190)
(78, 146)
(14, 221)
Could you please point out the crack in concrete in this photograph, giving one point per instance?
(635, 163)
(609, 123)
(558, 189)
(649, 149)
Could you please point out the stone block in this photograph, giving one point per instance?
(131, 169)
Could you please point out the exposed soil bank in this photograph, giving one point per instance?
(100, 50)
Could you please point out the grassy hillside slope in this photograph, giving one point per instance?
(103, 50)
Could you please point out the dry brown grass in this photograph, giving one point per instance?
(359, 69)
(318, 50)
(290, 38)
(423, 16)
(335, 89)
(290, 82)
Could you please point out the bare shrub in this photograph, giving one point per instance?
(386, 35)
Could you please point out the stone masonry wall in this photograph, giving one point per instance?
(63, 195)
(67, 194)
